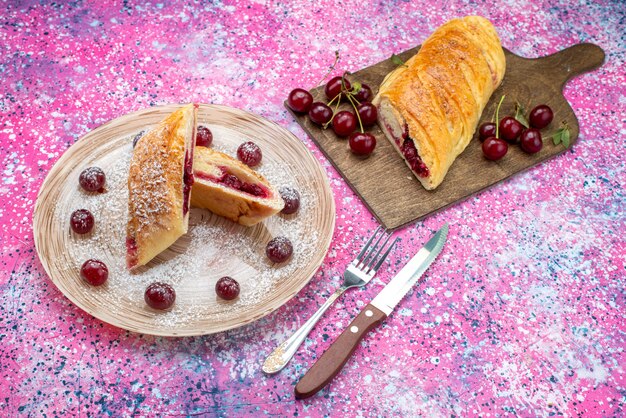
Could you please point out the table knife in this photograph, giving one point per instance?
(333, 359)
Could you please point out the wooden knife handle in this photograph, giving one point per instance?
(333, 359)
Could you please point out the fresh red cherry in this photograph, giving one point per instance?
(81, 221)
(299, 100)
(362, 143)
(204, 137)
(335, 86)
(291, 197)
(494, 148)
(279, 249)
(344, 123)
(227, 288)
(531, 141)
(249, 153)
(486, 130)
(510, 129)
(94, 272)
(160, 296)
(368, 114)
(540, 116)
(320, 113)
(92, 179)
(364, 94)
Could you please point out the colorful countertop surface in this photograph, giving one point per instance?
(523, 313)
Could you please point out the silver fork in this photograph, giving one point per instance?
(358, 273)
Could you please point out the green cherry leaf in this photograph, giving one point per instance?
(566, 137)
(397, 60)
(556, 138)
(520, 115)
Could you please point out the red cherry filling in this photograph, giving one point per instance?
(412, 157)
(131, 251)
(94, 272)
(230, 180)
(160, 296)
(204, 137)
(279, 249)
(92, 179)
(227, 288)
(291, 197)
(249, 153)
(187, 181)
(81, 221)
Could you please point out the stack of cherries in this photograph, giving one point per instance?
(343, 122)
(513, 132)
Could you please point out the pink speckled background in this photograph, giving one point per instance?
(523, 314)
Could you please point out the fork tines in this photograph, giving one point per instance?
(370, 259)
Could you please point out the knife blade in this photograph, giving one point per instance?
(333, 359)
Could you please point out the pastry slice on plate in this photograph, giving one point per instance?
(231, 189)
(429, 108)
(159, 186)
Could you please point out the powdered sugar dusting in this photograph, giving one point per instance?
(213, 248)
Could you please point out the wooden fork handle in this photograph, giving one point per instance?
(333, 359)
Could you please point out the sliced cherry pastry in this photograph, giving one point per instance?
(494, 148)
(344, 123)
(299, 100)
(204, 137)
(160, 296)
(291, 197)
(320, 113)
(362, 143)
(227, 288)
(92, 179)
(486, 130)
(531, 141)
(368, 114)
(94, 272)
(540, 116)
(81, 221)
(249, 153)
(279, 249)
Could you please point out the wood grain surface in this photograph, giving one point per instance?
(387, 186)
(225, 248)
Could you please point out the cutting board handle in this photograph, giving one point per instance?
(572, 61)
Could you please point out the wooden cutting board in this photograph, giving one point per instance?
(386, 184)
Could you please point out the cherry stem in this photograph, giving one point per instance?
(338, 98)
(356, 111)
(498, 115)
(332, 67)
